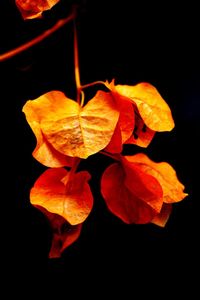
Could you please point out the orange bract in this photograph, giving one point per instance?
(70, 129)
(164, 173)
(31, 9)
(68, 196)
(64, 234)
(151, 112)
(130, 194)
(153, 109)
(136, 188)
(44, 152)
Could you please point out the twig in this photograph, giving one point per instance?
(38, 39)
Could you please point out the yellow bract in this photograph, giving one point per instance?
(154, 111)
(70, 129)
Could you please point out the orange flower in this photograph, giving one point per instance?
(135, 189)
(64, 129)
(142, 112)
(31, 9)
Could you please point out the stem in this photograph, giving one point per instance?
(38, 39)
(92, 83)
(76, 65)
(66, 180)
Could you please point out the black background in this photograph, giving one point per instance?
(131, 42)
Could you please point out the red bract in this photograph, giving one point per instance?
(31, 9)
(63, 234)
(135, 189)
(65, 194)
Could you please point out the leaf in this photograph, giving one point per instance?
(164, 173)
(44, 152)
(74, 130)
(162, 218)
(152, 108)
(130, 194)
(68, 196)
(64, 234)
(31, 9)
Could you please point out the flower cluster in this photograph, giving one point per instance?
(135, 189)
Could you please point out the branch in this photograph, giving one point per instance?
(38, 39)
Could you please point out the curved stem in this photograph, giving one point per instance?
(76, 65)
(92, 83)
(38, 39)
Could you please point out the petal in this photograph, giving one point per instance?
(34, 112)
(73, 200)
(33, 9)
(64, 234)
(76, 131)
(164, 173)
(162, 218)
(125, 125)
(115, 144)
(143, 185)
(122, 199)
(126, 117)
(154, 111)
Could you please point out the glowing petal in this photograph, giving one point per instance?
(73, 130)
(154, 111)
(164, 173)
(44, 152)
(72, 199)
(132, 196)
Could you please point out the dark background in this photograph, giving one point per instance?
(132, 42)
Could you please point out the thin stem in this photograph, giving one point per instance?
(92, 83)
(66, 180)
(38, 39)
(82, 98)
(76, 65)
